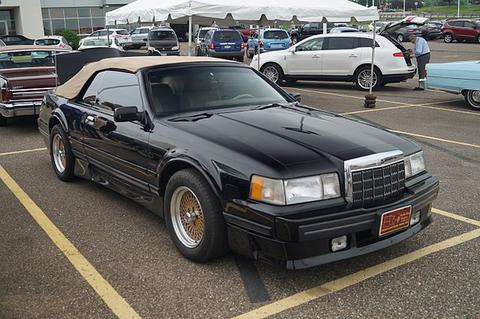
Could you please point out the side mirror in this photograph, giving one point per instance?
(291, 49)
(127, 114)
(296, 96)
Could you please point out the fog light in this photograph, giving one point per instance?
(339, 243)
(415, 218)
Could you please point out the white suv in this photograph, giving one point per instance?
(338, 57)
(121, 35)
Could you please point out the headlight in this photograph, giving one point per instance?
(294, 191)
(174, 48)
(414, 164)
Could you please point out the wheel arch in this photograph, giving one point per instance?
(366, 65)
(55, 119)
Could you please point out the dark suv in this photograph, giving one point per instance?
(224, 43)
(461, 29)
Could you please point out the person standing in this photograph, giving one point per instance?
(421, 51)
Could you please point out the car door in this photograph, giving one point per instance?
(340, 55)
(469, 30)
(307, 58)
(115, 147)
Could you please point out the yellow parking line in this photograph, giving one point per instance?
(346, 95)
(457, 217)
(436, 138)
(110, 296)
(355, 278)
(24, 151)
(398, 107)
(449, 110)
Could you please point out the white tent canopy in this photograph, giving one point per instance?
(242, 10)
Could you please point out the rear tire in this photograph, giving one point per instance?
(472, 97)
(362, 78)
(61, 154)
(193, 217)
(273, 72)
(3, 120)
(448, 38)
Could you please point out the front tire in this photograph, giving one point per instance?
(193, 217)
(273, 72)
(362, 78)
(448, 38)
(61, 154)
(472, 97)
(3, 120)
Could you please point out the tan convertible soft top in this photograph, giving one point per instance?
(72, 87)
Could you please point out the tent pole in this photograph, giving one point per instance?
(373, 57)
(189, 35)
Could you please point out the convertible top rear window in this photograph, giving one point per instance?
(26, 59)
(201, 88)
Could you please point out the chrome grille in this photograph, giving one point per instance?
(378, 185)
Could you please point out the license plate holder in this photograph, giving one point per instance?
(394, 220)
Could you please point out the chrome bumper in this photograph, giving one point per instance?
(20, 108)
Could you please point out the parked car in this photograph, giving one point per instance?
(343, 29)
(54, 41)
(224, 43)
(307, 30)
(267, 40)
(26, 73)
(231, 160)
(199, 37)
(379, 25)
(457, 77)
(403, 34)
(431, 31)
(245, 31)
(121, 35)
(338, 57)
(461, 30)
(16, 40)
(162, 41)
(138, 36)
(100, 43)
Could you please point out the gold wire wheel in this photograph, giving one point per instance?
(187, 217)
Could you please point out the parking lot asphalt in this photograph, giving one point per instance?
(78, 250)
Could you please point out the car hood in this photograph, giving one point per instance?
(290, 135)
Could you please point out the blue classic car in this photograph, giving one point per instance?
(457, 77)
(268, 40)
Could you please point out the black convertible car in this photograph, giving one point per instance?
(233, 161)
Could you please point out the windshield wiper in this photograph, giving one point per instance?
(191, 118)
(269, 106)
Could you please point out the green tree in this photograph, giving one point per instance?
(72, 38)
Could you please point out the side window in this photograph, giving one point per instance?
(311, 45)
(94, 34)
(121, 89)
(340, 43)
(90, 95)
(469, 25)
(366, 43)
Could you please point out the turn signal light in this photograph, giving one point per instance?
(242, 46)
(211, 46)
(398, 54)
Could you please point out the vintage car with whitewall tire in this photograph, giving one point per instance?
(232, 161)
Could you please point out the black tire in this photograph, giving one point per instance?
(213, 243)
(3, 120)
(265, 68)
(67, 174)
(472, 97)
(400, 38)
(448, 38)
(478, 39)
(361, 71)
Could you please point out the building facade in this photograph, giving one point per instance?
(80, 16)
(21, 17)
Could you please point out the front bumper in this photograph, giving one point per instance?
(15, 109)
(165, 52)
(297, 243)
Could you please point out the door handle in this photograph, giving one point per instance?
(315, 56)
(353, 56)
(90, 119)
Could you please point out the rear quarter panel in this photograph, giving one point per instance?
(454, 77)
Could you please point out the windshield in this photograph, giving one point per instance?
(122, 32)
(27, 59)
(96, 42)
(47, 41)
(227, 36)
(163, 35)
(277, 35)
(208, 88)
